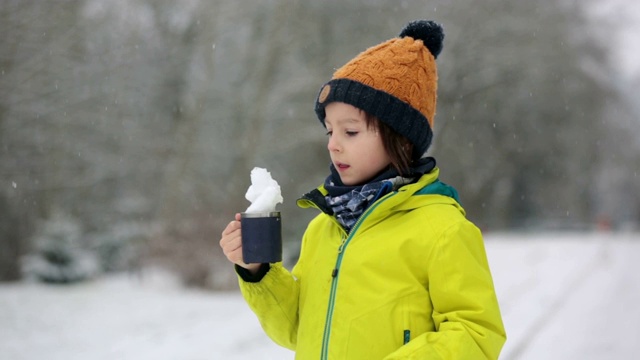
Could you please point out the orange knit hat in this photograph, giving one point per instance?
(395, 81)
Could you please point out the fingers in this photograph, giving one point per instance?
(231, 237)
(234, 255)
(231, 227)
(231, 242)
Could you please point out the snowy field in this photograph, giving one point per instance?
(562, 296)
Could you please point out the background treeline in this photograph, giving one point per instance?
(128, 128)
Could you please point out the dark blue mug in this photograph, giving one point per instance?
(261, 237)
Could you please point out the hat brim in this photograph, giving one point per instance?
(398, 115)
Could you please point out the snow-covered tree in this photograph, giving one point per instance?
(59, 255)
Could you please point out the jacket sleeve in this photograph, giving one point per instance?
(465, 308)
(274, 299)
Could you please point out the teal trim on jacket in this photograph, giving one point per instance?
(439, 188)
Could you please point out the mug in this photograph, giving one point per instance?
(261, 237)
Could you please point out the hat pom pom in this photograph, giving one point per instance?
(428, 31)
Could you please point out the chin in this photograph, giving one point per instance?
(347, 182)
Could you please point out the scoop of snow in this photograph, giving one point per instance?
(264, 192)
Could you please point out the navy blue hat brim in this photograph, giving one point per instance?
(398, 115)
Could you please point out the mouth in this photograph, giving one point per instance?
(341, 166)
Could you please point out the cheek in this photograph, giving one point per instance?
(375, 153)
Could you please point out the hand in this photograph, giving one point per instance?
(231, 244)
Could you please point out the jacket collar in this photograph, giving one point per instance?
(427, 190)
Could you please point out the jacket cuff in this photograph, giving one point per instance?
(247, 276)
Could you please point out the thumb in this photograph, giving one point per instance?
(238, 217)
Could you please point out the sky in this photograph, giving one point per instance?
(562, 296)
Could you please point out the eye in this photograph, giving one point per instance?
(329, 132)
(351, 133)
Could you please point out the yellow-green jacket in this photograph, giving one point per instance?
(410, 281)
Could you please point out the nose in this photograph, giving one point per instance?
(332, 144)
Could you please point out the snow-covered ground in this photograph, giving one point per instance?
(563, 296)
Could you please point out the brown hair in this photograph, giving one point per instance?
(398, 147)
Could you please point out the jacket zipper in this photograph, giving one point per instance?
(336, 272)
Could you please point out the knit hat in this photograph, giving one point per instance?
(395, 81)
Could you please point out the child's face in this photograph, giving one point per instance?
(356, 151)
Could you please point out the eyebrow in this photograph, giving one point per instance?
(343, 120)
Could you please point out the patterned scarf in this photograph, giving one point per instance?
(348, 203)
